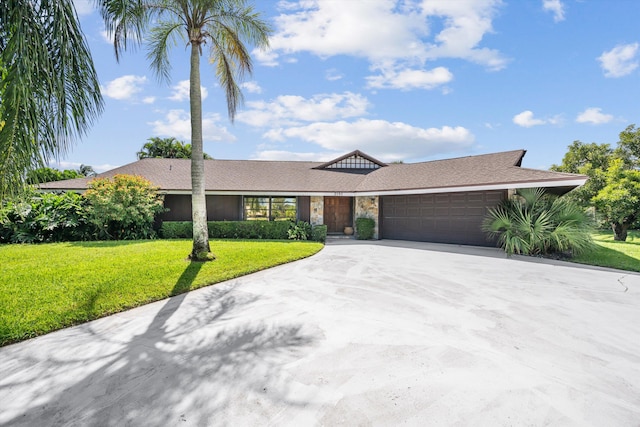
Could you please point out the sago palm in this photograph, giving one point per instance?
(227, 27)
(49, 90)
(533, 222)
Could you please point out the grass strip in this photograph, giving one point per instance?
(613, 254)
(51, 286)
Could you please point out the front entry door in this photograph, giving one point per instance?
(337, 213)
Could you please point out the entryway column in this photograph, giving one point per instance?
(368, 207)
(317, 210)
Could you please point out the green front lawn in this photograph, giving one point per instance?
(50, 286)
(609, 253)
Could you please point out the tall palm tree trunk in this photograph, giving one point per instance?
(198, 198)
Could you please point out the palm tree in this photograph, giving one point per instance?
(167, 148)
(226, 25)
(49, 90)
(86, 170)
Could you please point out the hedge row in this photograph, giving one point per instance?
(270, 230)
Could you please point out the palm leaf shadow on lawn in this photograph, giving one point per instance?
(198, 359)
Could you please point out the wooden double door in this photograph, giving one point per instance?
(338, 213)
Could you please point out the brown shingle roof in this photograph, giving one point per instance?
(482, 170)
(255, 176)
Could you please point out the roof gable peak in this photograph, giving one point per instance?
(353, 160)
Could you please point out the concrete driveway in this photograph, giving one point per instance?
(377, 333)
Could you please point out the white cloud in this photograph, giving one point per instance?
(410, 79)
(149, 100)
(292, 110)
(83, 7)
(332, 75)
(251, 87)
(385, 32)
(594, 116)
(619, 61)
(180, 92)
(124, 88)
(177, 123)
(556, 7)
(527, 120)
(388, 141)
(465, 24)
(267, 58)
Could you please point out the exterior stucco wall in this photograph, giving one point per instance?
(317, 210)
(368, 207)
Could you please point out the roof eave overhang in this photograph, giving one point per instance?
(452, 189)
(479, 187)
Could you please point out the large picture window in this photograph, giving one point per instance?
(270, 208)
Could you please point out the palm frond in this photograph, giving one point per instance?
(161, 38)
(49, 91)
(533, 222)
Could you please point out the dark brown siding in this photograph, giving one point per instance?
(179, 207)
(304, 208)
(224, 208)
(219, 208)
(440, 218)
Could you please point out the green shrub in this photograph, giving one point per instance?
(299, 231)
(176, 230)
(319, 233)
(533, 223)
(365, 228)
(270, 230)
(44, 217)
(123, 207)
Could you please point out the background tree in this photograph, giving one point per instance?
(86, 170)
(612, 185)
(49, 90)
(47, 174)
(586, 159)
(619, 200)
(628, 148)
(226, 26)
(167, 148)
(41, 175)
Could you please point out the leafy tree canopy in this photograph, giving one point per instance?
(619, 200)
(629, 147)
(41, 175)
(613, 174)
(47, 174)
(586, 159)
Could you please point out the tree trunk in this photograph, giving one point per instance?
(198, 199)
(619, 231)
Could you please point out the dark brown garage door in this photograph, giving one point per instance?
(441, 218)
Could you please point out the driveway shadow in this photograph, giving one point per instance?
(188, 361)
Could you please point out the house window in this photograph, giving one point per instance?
(270, 208)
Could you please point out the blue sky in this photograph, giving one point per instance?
(399, 80)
